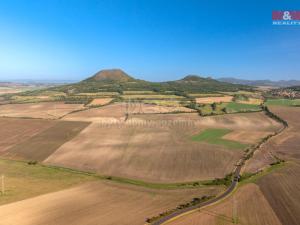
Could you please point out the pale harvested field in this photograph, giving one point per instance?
(117, 112)
(153, 153)
(285, 145)
(208, 100)
(247, 206)
(249, 137)
(242, 122)
(44, 143)
(14, 131)
(253, 101)
(100, 101)
(157, 147)
(103, 93)
(45, 110)
(96, 203)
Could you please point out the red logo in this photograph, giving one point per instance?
(286, 15)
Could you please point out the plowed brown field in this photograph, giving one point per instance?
(157, 147)
(247, 206)
(14, 131)
(97, 203)
(45, 110)
(117, 112)
(43, 144)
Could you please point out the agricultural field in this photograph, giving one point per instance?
(149, 96)
(209, 100)
(233, 107)
(215, 136)
(100, 101)
(117, 111)
(283, 102)
(247, 137)
(152, 147)
(138, 92)
(281, 189)
(31, 99)
(239, 208)
(98, 94)
(284, 145)
(15, 130)
(227, 108)
(98, 203)
(251, 101)
(240, 92)
(44, 143)
(199, 95)
(23, 181)
(45, 110)
(171, 103)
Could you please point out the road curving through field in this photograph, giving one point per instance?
(234, 183)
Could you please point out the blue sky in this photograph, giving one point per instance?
(150, 39)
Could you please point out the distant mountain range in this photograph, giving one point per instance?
(280, 83)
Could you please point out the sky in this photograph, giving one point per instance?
(155, 40)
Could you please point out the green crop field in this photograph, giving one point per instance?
(214, 136)
(232, 107)
(283, 102)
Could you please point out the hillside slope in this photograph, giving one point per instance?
(117, 80)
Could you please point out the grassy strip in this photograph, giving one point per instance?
(25, 180)
(253, 177)
(184, 185)
(123, 180)
(67, 171)
(214, 136)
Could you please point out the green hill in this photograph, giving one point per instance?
(116, 80)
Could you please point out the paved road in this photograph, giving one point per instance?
(198, 206)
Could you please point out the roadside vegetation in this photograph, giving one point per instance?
(193, 202)
(246, 178)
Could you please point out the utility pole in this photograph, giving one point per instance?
(2, 184)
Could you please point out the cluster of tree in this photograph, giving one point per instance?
(272, 115)
(227, 180)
